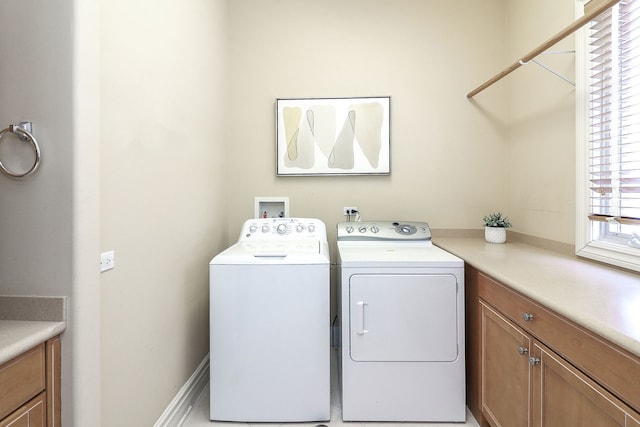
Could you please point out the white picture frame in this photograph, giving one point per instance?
(333, 136)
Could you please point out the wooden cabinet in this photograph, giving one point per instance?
(30, 388)
(536, 368)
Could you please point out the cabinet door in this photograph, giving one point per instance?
(505, 371)
(31, 414)
(566, 397)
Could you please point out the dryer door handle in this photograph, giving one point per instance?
(360, 307)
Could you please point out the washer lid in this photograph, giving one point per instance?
(275, 252)
(281, 248)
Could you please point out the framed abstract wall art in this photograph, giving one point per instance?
(333, 136)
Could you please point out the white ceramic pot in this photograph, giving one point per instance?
(495, 234)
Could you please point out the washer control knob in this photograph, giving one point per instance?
(265, 228)
(311, 228)
(374, 229)
(362, 229)
(299, 228)
(282, 228)
(349, 229)
(253, 228)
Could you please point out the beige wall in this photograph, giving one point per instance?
(163, 187)
(453, 160)
(448, 153)
(541, 123)
(82, 407)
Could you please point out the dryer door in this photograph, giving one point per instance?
(403, 317)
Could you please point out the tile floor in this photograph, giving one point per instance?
(199, 416)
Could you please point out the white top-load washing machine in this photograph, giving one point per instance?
(270, 329)
(402, 324)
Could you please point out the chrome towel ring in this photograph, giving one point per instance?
(23, 131)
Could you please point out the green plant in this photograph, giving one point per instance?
(496, 220)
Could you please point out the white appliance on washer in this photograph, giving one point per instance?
(402, 324)
(269, 324)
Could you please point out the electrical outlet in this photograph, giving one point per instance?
(349, 210)
(107, 261)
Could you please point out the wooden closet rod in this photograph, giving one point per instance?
(600, 7)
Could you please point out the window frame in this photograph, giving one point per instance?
(602, 250)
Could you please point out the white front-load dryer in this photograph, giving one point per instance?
(269, 324)
(402, 324)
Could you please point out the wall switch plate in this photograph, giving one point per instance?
(107, 261)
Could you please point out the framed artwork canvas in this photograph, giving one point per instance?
(333, 136)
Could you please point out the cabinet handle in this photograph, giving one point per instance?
(523, 350)
(528, 317)
(534, 361)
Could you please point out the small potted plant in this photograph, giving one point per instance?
(495, 227)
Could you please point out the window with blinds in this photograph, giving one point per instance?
(614, 122)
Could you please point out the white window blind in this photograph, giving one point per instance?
(614, 114)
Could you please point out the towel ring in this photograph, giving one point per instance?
(24, 135)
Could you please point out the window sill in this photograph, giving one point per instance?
(610, 254)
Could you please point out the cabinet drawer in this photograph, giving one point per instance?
(32, 414)
(21, 379)
(516, 307)
(613, 367)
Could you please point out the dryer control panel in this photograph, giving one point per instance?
(283, 229)
(384, 230)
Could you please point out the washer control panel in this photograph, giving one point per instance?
(283, 229)
(384, 230)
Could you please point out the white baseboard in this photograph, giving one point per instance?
(181, 405)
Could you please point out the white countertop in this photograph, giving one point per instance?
(18, 336)
(604, 300)
(26, 321)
